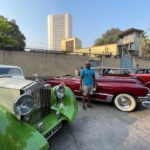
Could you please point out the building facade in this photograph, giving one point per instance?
(130, 42)
(98, 51)
(59, 28)
(71, 44)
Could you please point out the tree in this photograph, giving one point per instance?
(109, 37)
(10, 36)
(145, 45)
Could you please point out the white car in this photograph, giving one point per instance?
(11, 71)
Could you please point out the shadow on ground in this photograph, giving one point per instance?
(103, 127)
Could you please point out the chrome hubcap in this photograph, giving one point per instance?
(124, 101)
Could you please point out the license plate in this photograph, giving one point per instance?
(53, 131)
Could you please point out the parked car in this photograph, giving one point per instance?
(31, 112)
(126, 94)
(11, 71)
(138, 74)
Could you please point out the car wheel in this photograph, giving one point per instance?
(125, 102)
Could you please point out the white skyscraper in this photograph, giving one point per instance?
(59, 28)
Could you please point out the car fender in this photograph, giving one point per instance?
(69, 108)
(147, 84)
(15, 134)
(117, 88)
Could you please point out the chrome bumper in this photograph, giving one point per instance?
(145, 100)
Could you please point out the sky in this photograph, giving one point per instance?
(91, 18)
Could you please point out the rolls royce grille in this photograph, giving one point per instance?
(42, 106)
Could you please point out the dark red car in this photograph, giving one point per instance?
(126, 94)
(143, 75)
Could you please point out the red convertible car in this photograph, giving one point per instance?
(126, 94)
(143, 74)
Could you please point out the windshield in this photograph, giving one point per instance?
(10, 71)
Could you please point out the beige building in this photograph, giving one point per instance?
(59, 28)
(130, 42)
(71, 44)
(108, 49)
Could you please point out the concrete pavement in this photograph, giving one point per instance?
(103, 127)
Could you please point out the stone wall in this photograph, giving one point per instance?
(47, 64)
(41, 63)
(116, 62)
(143, 63)
(110, 62)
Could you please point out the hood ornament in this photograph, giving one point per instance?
(36, 77)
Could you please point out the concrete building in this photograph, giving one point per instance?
(129, 42)
(59, 28)
(96, 51)
(71, 44)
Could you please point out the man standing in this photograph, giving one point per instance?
(87, 83)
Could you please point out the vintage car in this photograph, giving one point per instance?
(139, 74)
(31, 112)
(126, 94)
(11, 71)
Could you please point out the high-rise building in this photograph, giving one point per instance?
(59, 28)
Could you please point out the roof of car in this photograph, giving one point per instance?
(9, 66)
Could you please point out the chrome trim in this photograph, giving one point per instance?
(148, 96)
(96, 93)
(145, 98)
(142, 99)
(103, 94)
(40, 126)
(108, 100)
(53, 131)
(146, 103)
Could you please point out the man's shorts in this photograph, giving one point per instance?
(87, 90)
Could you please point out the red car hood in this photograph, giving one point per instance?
(102, 80)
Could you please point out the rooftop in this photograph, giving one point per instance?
(129, 31)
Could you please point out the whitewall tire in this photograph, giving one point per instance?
(125, 102)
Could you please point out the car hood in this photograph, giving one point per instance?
(12, 83)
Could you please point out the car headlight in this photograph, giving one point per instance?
(23, 105)
(60, 91)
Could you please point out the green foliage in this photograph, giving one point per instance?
(10, 36)
(145, 45)
(109, 37)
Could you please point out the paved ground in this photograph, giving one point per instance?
(105, 128)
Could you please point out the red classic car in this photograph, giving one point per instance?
(124, 93)
(143, 75)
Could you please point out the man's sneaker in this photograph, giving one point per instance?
(89, 105)
(84, 107)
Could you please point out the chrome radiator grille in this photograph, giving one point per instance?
(41, 96)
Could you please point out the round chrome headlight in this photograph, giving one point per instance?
(60, 91)
(23, 105)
